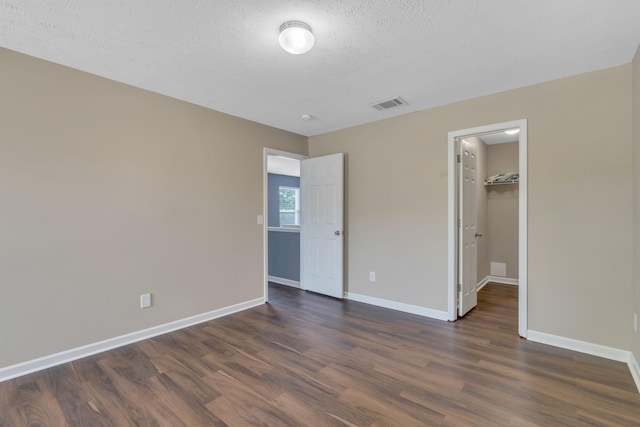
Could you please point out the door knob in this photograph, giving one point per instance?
(478, 234)
(337, 232)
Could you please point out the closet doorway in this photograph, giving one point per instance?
(487, 214)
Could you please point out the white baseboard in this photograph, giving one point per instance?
(283, 281)
(41, 363)
(589, 348)
(481, 284)
(635, 370)
(497, 279)
(579, 346)
(407, 308)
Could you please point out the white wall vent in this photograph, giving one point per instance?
(389, 103)
(498, 269)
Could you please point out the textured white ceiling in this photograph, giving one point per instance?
(499, 138)
(224, 54)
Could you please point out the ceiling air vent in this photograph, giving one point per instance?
(389, 103)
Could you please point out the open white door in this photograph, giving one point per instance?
(468, 261)
(321, 229)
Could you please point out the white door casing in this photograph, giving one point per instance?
(453, 200)
(468, 234)
(321, 229)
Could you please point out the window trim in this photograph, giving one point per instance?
(296, 211)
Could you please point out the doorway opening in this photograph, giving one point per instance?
(466, 175)
(281, 216)
(314, 211)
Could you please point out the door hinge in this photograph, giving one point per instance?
(458, 158)
(459, 222)
(459, 287)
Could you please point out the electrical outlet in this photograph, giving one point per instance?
(372, 276)
(145, 300)
(635, 322)
(260, 219)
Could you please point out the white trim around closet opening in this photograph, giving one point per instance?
(522, 220)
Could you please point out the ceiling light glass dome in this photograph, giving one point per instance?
(296, 37)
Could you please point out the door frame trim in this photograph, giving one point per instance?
(452, 232)
(266, 152)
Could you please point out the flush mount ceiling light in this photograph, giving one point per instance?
(512, 131)
(296, 37)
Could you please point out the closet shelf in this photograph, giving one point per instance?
(503, 178)
(515, 181)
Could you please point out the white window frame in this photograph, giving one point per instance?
(296, 212)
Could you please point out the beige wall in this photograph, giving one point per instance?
(110, 191)
(579, 216)
(636, 199)
(502, 205)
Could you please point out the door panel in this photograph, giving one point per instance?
(321, 229)
(311, 209)
(468, 279)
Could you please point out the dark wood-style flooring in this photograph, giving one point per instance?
(309, 360)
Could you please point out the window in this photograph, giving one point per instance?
(289, 206)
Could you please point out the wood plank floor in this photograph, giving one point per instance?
(309, 360)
